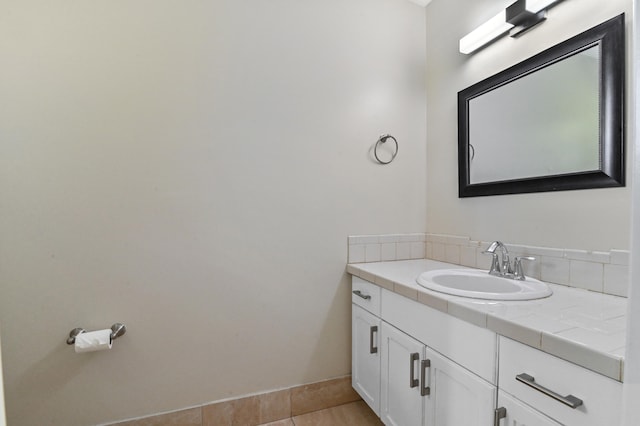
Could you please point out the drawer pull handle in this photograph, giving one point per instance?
(413, 383)
(359, 294)
(372, 349)
(424, 389)
(568, 400)
(499, 414)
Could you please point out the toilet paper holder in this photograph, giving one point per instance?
(117, 330)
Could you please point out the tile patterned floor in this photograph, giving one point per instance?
(352, 414)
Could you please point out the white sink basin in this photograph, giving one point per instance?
(481, 285)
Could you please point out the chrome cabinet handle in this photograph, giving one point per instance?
(498, 414)
(372, 349)
(412, 360)
(359, 294)
(568, 400)
(424, 390)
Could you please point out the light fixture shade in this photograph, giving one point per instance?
(485, 33)
(535, 6)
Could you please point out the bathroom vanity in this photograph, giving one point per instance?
(421, 357)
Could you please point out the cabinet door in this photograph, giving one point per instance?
(401, 403)
(519, 414)
(365, 356)
(456, 396)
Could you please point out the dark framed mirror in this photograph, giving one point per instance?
(553, 122)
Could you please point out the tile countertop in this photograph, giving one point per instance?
(586, 328)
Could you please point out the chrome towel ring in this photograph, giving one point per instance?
(382, 140)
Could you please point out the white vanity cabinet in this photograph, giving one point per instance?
(418, 385)
(417, 365)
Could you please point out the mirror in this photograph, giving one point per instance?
(552, 122)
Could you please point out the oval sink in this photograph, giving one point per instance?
(481, 285)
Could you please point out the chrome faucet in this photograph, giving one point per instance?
(501, 267)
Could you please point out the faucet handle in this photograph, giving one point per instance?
(495, 263)
(518, 273)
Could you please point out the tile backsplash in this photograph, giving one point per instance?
(599, 271)
(382, 248)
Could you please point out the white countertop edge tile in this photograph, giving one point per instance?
(607, 364)
(515, 320)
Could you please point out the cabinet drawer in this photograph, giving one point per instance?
(601, 396)
(366, 295)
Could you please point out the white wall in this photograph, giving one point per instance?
(631, 412)
(192, 169)
(587, 219)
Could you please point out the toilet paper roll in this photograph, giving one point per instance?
(93, 341)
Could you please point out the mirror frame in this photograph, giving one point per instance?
(610, 37)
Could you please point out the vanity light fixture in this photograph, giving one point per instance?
(490, 30)
(535, 6)
(517, 18)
